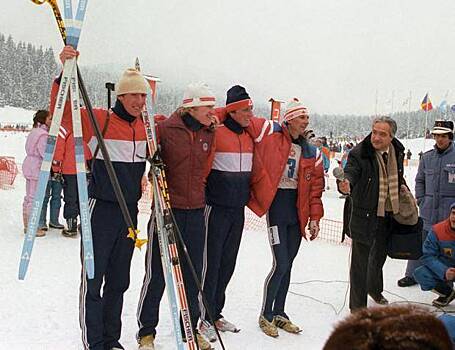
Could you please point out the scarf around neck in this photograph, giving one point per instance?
(388, 182)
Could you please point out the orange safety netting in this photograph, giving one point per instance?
(330, 230)
(8, 172)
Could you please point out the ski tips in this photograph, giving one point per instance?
(21, 276)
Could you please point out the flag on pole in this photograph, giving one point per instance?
(275, 110)
(151, 80)
(426, 104)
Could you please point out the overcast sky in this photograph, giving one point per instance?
(335, 55)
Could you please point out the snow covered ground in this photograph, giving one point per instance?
(42, 311)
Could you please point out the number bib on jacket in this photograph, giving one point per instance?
(289, 179)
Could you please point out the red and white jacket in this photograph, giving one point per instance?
(125, 140)
(271, 152)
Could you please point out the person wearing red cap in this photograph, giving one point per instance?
(287, 183)
(187, 141)
(227, 193)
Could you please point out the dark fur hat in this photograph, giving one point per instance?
(390, 328)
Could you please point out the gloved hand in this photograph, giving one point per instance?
(308, 134)
(314, 229)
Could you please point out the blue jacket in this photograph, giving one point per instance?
(439, 249)
(435, 185)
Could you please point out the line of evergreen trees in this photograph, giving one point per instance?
(26, 74)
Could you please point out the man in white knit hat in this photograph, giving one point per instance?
(187, 149)
(286, 184)
(125, 138)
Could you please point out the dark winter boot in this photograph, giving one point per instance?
(71, 230)
(53, 220)
(446, 294)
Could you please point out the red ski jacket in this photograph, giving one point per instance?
(271, 152)
(64, 156)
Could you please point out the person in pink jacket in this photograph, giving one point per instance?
(34, 147)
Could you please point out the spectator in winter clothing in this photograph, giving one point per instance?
(227, 194)
(437, 272)
(287, 184)
(435, 186)
(408, 154)
(321, 144)
(373, 177)
(54, 193)
(35, 147)
(187, 148)
(344, 158)
(390, 328)
(125, 139)
(64, 164)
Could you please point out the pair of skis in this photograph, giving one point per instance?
(169, 236)
(75, 78)
(68, 83)
(170, 261)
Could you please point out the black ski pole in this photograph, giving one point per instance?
(110, 87)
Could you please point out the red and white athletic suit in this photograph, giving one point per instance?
(287, 184)
(125, 139)
(227, 193)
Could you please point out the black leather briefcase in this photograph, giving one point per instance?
(405, 241)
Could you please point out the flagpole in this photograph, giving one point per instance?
(393, 97)
(426, 123)
(409, 112)
(376, 104)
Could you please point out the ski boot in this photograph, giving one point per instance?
(207, 330)
(285, 324)
(267, 327)
(147, 342)
(202, 342)
(225, 326)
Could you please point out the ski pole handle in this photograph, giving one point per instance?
(110, 87)
(57, 15)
